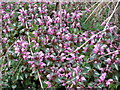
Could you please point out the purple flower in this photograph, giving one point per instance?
(102, 77)
(78, 24)
(40, 21)
(78, 15)
(67, 45)
(92, 42)
(96, 48)
(17, 50)
(77, 77)
(49, 77)
(63, 84)
(90, 87)
(63, 58)
(4, 31)
(81, 57)
(41, 54)
(24, 44)
(83, 78)
(103, 24)
(35, 33)
(68, 15)
(102, 70)
(50, 31)
(69, 75)
(109, 60)
(112, 28)
(21, 19)
(76, 69)
(108, 49)
(42, 64)
(60, 70)
(73, 15)
(33, 65)
(102, 47)
(85, 49)
(49, 84)
(49, 21)
(6, 16)
(4, 40)
(31, 62)
(68, 36)
(25, 57)
(108, 82)
(73, 56)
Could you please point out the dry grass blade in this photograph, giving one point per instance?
(40, 79)
(60, 13)
(109, 18)
(99, 5)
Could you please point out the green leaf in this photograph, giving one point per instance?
(21, 77)
(96, 74)
(97, 66)
(35, 27)
(27, 82)
(115, 77)
(45, 85)
(116, 66)
(100, 86)
(113, 86)
(58, 80)
(87, 66)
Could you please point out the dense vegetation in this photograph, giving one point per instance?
(59, 45)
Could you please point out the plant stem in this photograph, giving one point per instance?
(40, 80)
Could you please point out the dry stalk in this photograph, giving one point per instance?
(40, 79)
(60, 14)
(93, 12)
